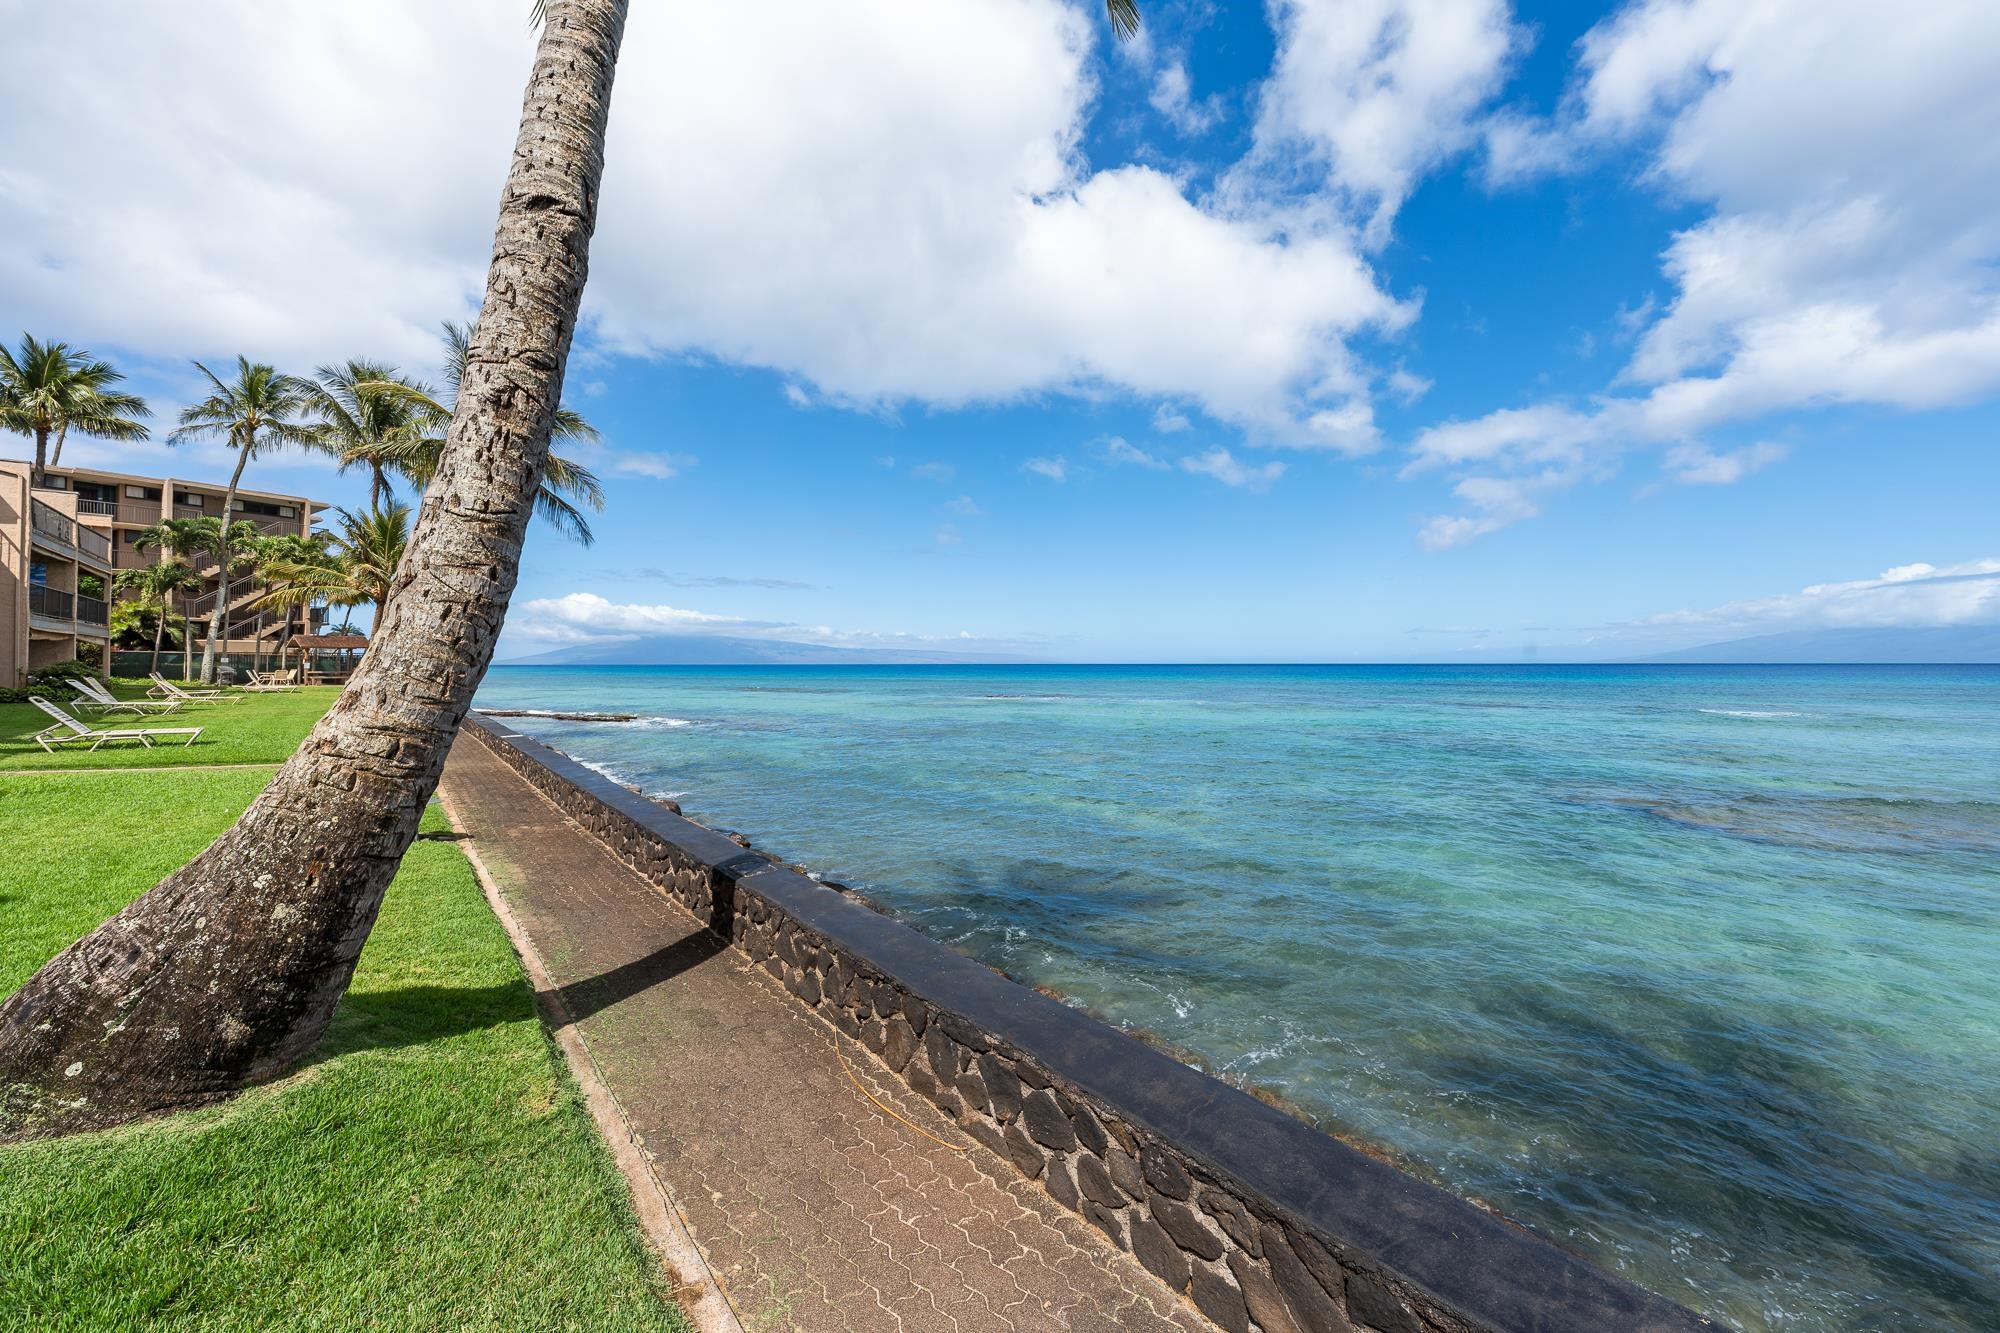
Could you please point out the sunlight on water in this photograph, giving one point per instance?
(1696, 970)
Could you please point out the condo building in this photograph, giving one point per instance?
(64, 539)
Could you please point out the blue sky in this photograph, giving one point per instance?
(1369, 329)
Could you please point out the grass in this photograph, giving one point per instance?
(430, 1167)
(262, 729)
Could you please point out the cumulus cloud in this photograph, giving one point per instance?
(1850, 254)
(1916, 595)
(940, 240)
(1055, 469)
(584, 617)
(1172, 98)
(1226, 468)
(1368, 95)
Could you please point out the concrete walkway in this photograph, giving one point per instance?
(822, 1193)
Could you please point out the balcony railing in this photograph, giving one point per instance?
(102, 508)
(62, 530)
(51, 524)
(91, 610)
(51, 603)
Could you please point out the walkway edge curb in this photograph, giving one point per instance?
(652, 1199)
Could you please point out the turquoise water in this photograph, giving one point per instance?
(1696, 970)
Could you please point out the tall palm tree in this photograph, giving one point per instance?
(368, 416)
(567, 488)
(364, 552)
(228, 970)
(178, 539)
(258, 409)
(46, 389)
(154, 587)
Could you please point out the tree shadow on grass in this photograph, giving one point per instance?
(412, 1015)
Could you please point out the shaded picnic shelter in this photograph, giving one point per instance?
(324, 659)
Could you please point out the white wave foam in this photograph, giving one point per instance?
(665, 722)
(602, 770)
(1748, 712)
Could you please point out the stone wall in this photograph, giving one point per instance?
(1256, 1217)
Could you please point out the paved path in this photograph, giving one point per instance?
(815, 1208)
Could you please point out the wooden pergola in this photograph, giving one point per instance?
(312, 670)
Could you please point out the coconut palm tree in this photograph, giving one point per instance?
(368, 416)
(364, 552)
(47, 389)
(258, 409)
(154, 587)
(567, 488)
(180, 539)
(228, 970)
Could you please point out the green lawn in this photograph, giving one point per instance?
(431, 1167)
(262, 729)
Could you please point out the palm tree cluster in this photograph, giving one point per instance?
(363, 413)
(48, 389)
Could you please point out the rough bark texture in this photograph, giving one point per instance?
(228, 970)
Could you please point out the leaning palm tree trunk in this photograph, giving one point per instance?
(229, 969)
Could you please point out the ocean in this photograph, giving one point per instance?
(1695, 970)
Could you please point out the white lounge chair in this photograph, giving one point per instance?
(92, 697)
(67, 730)
(270, 683)
(166, 689)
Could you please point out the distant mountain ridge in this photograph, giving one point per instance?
(723, 650)
(1945, 645)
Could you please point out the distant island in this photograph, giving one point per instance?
(1952, 644)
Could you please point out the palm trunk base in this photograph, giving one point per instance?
(227, 972)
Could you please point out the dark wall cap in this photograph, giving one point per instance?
(1470, 1261)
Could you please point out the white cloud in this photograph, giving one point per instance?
(1167, 421)
(1117, 449)
(1495, 502)
(1226, 468)
(1851, 254)
(1368, 95)
(965, 506)
(1407, 387)
(1171, 98)
(1908, 596)
(637, 463)
(1055, 469)
(938, 239)
(583, 617)
(1693, 465)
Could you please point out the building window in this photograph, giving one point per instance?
(51, 482)
(262, 509)
(188, 498)
(142, 492)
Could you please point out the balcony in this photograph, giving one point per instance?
(65, 535)
(51, 603)
(92, 611)
(101, 508)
